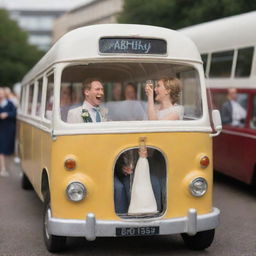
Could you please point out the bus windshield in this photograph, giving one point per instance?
(124, 97)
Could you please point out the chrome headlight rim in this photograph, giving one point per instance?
(76, 185)
(192, 187)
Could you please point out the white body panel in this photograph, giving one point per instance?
(231, 33)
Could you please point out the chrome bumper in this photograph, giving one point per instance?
(90, 228)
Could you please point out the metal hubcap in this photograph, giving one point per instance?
(46, 225)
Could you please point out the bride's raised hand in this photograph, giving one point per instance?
(149, 88)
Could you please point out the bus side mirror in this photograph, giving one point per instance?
(217, 125)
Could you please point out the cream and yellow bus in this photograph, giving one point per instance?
(77, 163)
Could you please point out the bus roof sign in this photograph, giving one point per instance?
(132, 45)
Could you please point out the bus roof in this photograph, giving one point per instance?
(83, 43)
(231, 32)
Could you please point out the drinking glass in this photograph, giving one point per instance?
(150, 83)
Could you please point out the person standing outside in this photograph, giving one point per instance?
(90, 111)
(11, 96)
(232, 113)
(7, 130)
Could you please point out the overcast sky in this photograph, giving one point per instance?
(41, 4)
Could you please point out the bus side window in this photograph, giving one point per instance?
(65, 100)
(221, 64)
(49, 97)
(22, 99)
(253, 119)
(244, 62)
(30, 99)
(39, 97)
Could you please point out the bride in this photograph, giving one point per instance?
(167, 93)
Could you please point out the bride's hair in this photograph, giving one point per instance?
(173, 86)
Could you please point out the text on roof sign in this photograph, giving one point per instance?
(132, 45)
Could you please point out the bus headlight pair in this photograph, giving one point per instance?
(198, 187)
(76, 191)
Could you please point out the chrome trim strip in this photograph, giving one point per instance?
(134, 129)
(92, 228)
(242, 134)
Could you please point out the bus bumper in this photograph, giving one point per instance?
(90, 228)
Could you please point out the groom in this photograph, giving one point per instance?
(90, 111)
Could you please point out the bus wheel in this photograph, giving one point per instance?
(200, 240)
(53, 243)
(25, 183)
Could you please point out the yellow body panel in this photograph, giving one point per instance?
(96, 156)
(35, 147)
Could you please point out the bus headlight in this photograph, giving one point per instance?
(198, 187)
(76, 191)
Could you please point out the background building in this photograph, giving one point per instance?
(93, 12)
(37, 17)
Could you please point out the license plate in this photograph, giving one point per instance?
(137, 231)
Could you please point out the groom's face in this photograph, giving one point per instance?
(95, 94)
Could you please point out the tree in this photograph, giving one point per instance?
(16, 55)
(177, 14)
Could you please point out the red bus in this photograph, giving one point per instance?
(227, 48)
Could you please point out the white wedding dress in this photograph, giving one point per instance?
(142, 196)
(177, 109)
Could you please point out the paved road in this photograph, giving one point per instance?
(21, 226)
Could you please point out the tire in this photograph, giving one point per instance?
(200, 240)
(25, 183)
(53, 243)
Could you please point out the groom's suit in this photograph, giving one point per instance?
(75, 114)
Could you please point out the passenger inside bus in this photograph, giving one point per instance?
(49, 106)
(65, 101)
(117, 91)
(167, 93)
(130, 92)
(176, 95)
(232, 113)
(90, 111)
(129, 109)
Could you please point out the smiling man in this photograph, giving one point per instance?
(90, 111)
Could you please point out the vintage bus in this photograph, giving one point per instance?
(76, 165)
(227, 47)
